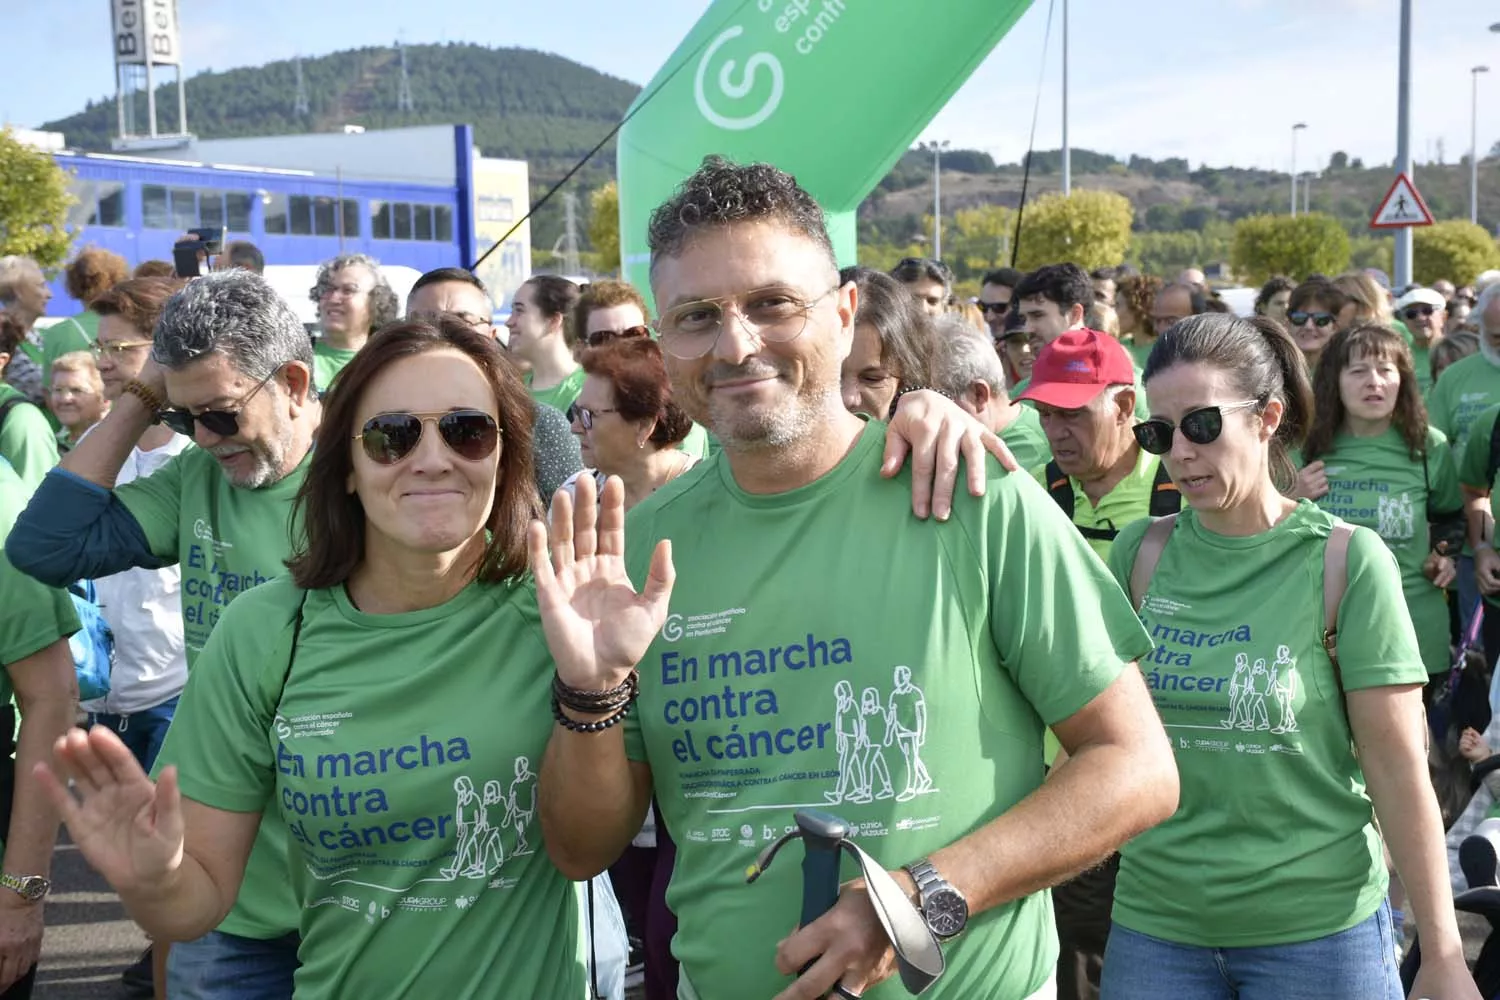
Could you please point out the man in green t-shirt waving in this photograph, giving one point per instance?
(232, 368)
(823, 649)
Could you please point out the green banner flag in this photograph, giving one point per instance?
(833, 91)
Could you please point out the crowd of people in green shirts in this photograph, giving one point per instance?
(1148, 620)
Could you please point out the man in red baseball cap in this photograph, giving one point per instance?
(1083, 388)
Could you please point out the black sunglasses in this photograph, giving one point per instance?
(1200, 426)
(994, 307)
(1421, 310)
(583, 416)
(597, 337)
(1320, 320)
(224, 423)
(389, 437)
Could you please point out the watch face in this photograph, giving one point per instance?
(946, 912)
(34, 887)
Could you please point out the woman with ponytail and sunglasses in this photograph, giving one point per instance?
(1372, 459)
(1269, 881)
(388, 699)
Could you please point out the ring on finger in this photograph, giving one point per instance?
(841, 990)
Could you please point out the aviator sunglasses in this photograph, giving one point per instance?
(1419, 311)
(1200, 426)
(598, 337)
(389, 437)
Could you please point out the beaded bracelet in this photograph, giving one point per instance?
(902, 391)
(573, 725)
(597, 702)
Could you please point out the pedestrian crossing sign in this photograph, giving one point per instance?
(1401, 207)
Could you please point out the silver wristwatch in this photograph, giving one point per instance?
(29, 887)
(943, 907)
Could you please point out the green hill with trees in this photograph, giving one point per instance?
(551, 111)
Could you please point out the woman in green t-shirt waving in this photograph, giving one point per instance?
(1373, 460)
(1269, 882)
(388, 700)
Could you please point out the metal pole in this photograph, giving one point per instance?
(1295, 129)
(1307, 194)
(1402, 276)
(1067, 150)
(150, 96)
(937, 201)
(1474, 146)
(120, 97)
(181, 102)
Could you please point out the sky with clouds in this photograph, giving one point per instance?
(1218, 82)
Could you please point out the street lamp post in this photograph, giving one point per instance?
(1402, 257)
(1474, 143)
(937, 198)
(1067, 150)
(1295, 129)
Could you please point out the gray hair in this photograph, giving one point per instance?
(1489, 295)
(234, 313)
(385, 304)
(961, 356)
(15, 269)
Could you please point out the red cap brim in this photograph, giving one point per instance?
(1063, 395)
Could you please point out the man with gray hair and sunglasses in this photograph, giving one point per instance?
(232, 368)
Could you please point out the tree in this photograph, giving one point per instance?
(1268, 245)
(34, 202)
(1089, 228)
(1166, 254)
(1338, 161)
(604, 226)
(977, 240)
(1455, 250)
(1371, 251)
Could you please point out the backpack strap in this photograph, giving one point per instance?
(1061, 488)
(1335, 580)
(1165, 497)
(1147, 556)
(10, 404)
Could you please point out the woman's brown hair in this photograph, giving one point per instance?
(139, 301)
(638, 375)
(1373, 343)
(330, 518)
(94, 272)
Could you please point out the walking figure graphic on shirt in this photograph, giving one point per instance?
(1395, 518)
(491, 853)
(871, 753)
(1254, 698)
(847, 726)
(1284, 687)
(1239, 684)
(522, 805)
(470, 819)
(907, 712)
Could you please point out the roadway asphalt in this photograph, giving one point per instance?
(89, 939)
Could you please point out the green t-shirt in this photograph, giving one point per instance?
(76, 333)
(1273, 841)
(1374, 482)
(1474, 460)
(902, 685)
(1025, 439)
(1127, 503)
(1139, 353)
(1468, 386)
(562, 395)
(328, 362)
(417, 861)
(27, 440)
(1421, 359)
(696, 443)
(225, 540)
(35, 615)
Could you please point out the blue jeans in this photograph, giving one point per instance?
(141, 732)
(1356, 964)
(221, 966)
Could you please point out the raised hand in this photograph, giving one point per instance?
(597, 626)
(1312, 482)
(128, 827)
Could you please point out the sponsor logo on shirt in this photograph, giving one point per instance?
(204, 533)
(678, 627)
